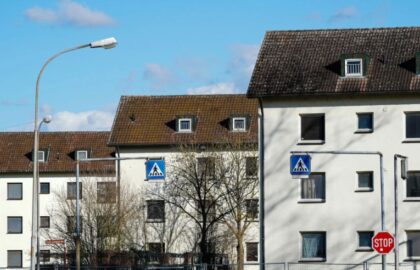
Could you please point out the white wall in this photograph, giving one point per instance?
(345, 211)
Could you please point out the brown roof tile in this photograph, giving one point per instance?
(16, 151)
(150, 120)
(295, 63)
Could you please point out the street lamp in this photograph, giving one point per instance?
(107, 43)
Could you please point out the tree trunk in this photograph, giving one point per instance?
(240, 254)
(204, 248)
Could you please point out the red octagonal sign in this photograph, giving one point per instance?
(383, 242)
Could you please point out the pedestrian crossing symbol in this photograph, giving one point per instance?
(155, 169)
(300, 166)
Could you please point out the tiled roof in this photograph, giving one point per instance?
(151, 120)
(295, 63)
(16, 151)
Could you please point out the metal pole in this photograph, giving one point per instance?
(382, 207)
(261, 189)
(397, 243)
(77, 215)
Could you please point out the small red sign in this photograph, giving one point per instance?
(383, 242)
(55, 242)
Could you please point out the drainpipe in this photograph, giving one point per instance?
(261, 185)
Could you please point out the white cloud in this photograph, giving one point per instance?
(344, 14)
(158, 75)
(242, 63)
(213, 89)
(81, 121)
(69, 12)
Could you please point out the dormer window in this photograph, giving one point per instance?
(41, 156)
(81, 154)
(239, 123)
(184, 125)
(354, 67)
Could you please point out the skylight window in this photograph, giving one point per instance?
(239, 124)
(41, 156)
(353, 67)
(81, 154)
(185, 125)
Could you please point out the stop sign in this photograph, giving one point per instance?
(383, 242)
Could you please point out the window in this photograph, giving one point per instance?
(156, 250)
(205, 167)
(313, 188)
(156, 210)
(71, 224)
(364, 122)
(41, 156)
(72, 190)
(44, 222)
(353, 67)
(312, 128)
(185, 125)
(45, 188)
(45, 256)
(14, 258)
(251, 167)
(14, 224)
(81, 155)
(14, 191)
(412, 125)
(239, 124)
(365, 240)
(314, 246)
(251, 209)
(413, 184)
(364, 181)
(413, 244)
(106, 226)
(252, 252)
(106, 192)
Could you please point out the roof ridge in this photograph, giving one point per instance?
(344, 29)
(183, 96)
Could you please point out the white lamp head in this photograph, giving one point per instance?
(47, 119)
(107, 43)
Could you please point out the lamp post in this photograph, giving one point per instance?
(106, 44)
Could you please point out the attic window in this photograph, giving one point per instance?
(185, 125)
(239, 124)
(41, 156)
(81, 155)
(354, 67)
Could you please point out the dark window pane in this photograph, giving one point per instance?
(106, 192)
(312, 127)
(14, 224)
(239, 124)
(252, 252)
(72, 191)
(45, 222)
(252, 209)
(413, 244)
(313, 187)
(14, 258)
(185, 124)
(365, 121)
(412, 125)
(251, 166)
(156, 210)
(45, 188)
(156, 247)
(206, 167)
(365, 239)
(413, 184)
(365, 179)
(45, 256)
(313, 245)
(14, 191)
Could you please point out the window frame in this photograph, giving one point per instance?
(365, 189)
(410, 198)
(75, 195)
(109, 187)
(346, 74)
(43, 156)
(311, 141)
(42, 254)
(21, 225)
(234, 128)
(410, 258)
(247, 169)
(21, 192)
(40, 222)
(364, 248)
(154, 220)
(365, 130)
(82, 151)
(21, 259)
(40, 187)
(405, 138)
(246, 252)
(250, 216)
(313, 200)
(184, 130)
(313, 259)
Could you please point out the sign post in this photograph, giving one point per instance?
(300, 166)
(383, 242)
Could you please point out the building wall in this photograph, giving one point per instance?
(344, 211)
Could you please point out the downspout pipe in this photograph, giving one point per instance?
(261, 184)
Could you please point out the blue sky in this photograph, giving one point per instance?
(166, 47)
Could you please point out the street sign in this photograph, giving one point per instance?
(300, 166)
(383, 242)
(55, 242)
(155, 169)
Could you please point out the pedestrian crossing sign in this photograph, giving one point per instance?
(300, 166)
(155, 169)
